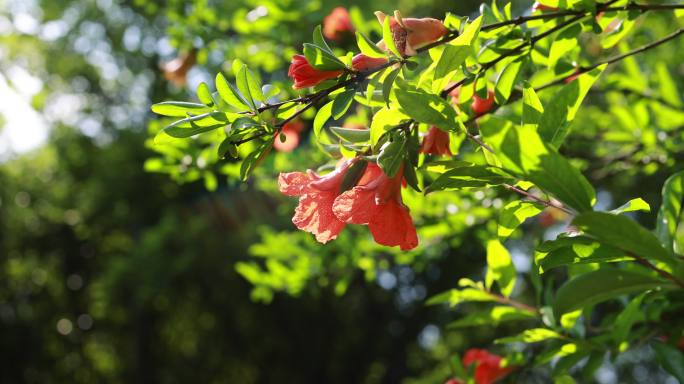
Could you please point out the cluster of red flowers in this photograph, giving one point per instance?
(376, 199)
(488, 367)
(324, 208)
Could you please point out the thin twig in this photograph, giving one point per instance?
(547, 203)
(667, 275)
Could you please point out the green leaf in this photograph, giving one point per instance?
(522, 151)
(469, 33)
(353, 175)
(388, 37)
(383, 120)
(565, 41)
(321, 59)
(670, 216)
(623, 233)
(427, 108)
(514, 214)
(391, 155)
(457, 296)
(492, 317)
(243, 84)
(179, 108)
(633, 205)
(532, 107)
(230, 95)
(467, 175)
(624, 321)
(194, 125)
(671, 359)
(254, 158)
(668, 86)
(367, 47)
(204, 94)
(319, 40)
(322, 116)
(560, 111)
(534, 335)
(601, 285)
(506, 81)
(500, 268)
(352, 135)
(342, 103)
(575, 250)
(448, 65)
(387, 85)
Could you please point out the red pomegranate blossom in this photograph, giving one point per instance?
(488, 367)
(304, 75)
(436, 142)
(314, 214)
(362, 62)
(410, 34)
(541, 7)
(376, 202)
(291, 131)
(481, 106)
(337, 24)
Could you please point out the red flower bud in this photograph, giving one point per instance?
(436, 142)
(337, 24)
(410, 34)
(572, 77)
(304, 75)
(362, 62)
(541, 7)
(481, 106)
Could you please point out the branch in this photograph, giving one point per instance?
(667, 275)
(547, 203)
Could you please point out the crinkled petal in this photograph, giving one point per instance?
(314, 215)
(391, 225)
(294, 183)
(355, 206)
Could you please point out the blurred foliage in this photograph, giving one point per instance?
(113, 274)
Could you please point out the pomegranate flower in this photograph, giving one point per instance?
(304, 75)
(410, 34)
(362, 62)
(314, 214)
(176, 70)
(481, 106)
(291, 131)
(436, 142)
(376, 202)
(488, 367)
(337, 24)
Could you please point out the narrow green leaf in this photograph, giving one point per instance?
(322, 116)
(321, 59)
(534, 335)
(532, 107)
(179, 108)
(492, 317)
(601, 285)
(670, 214)
(367, 47)
(500, 268)
(468, 176)
(353, 175)
(391, 155)
(254, 158)
(448, 65)
(506, 81)
(244, 87)
(383, 120)
(623, 233)
(565, 41)
(575, 250)
(230, 95)
(342, 103)
(427, 108)
(560, 111)
(387, 85)
(514, 214)
(469, 33)
(352, 135)
(626, 319)
(633, 205)
(319, 40)
(204, 94)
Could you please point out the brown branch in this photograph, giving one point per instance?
(665, 274)
(547, 203)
